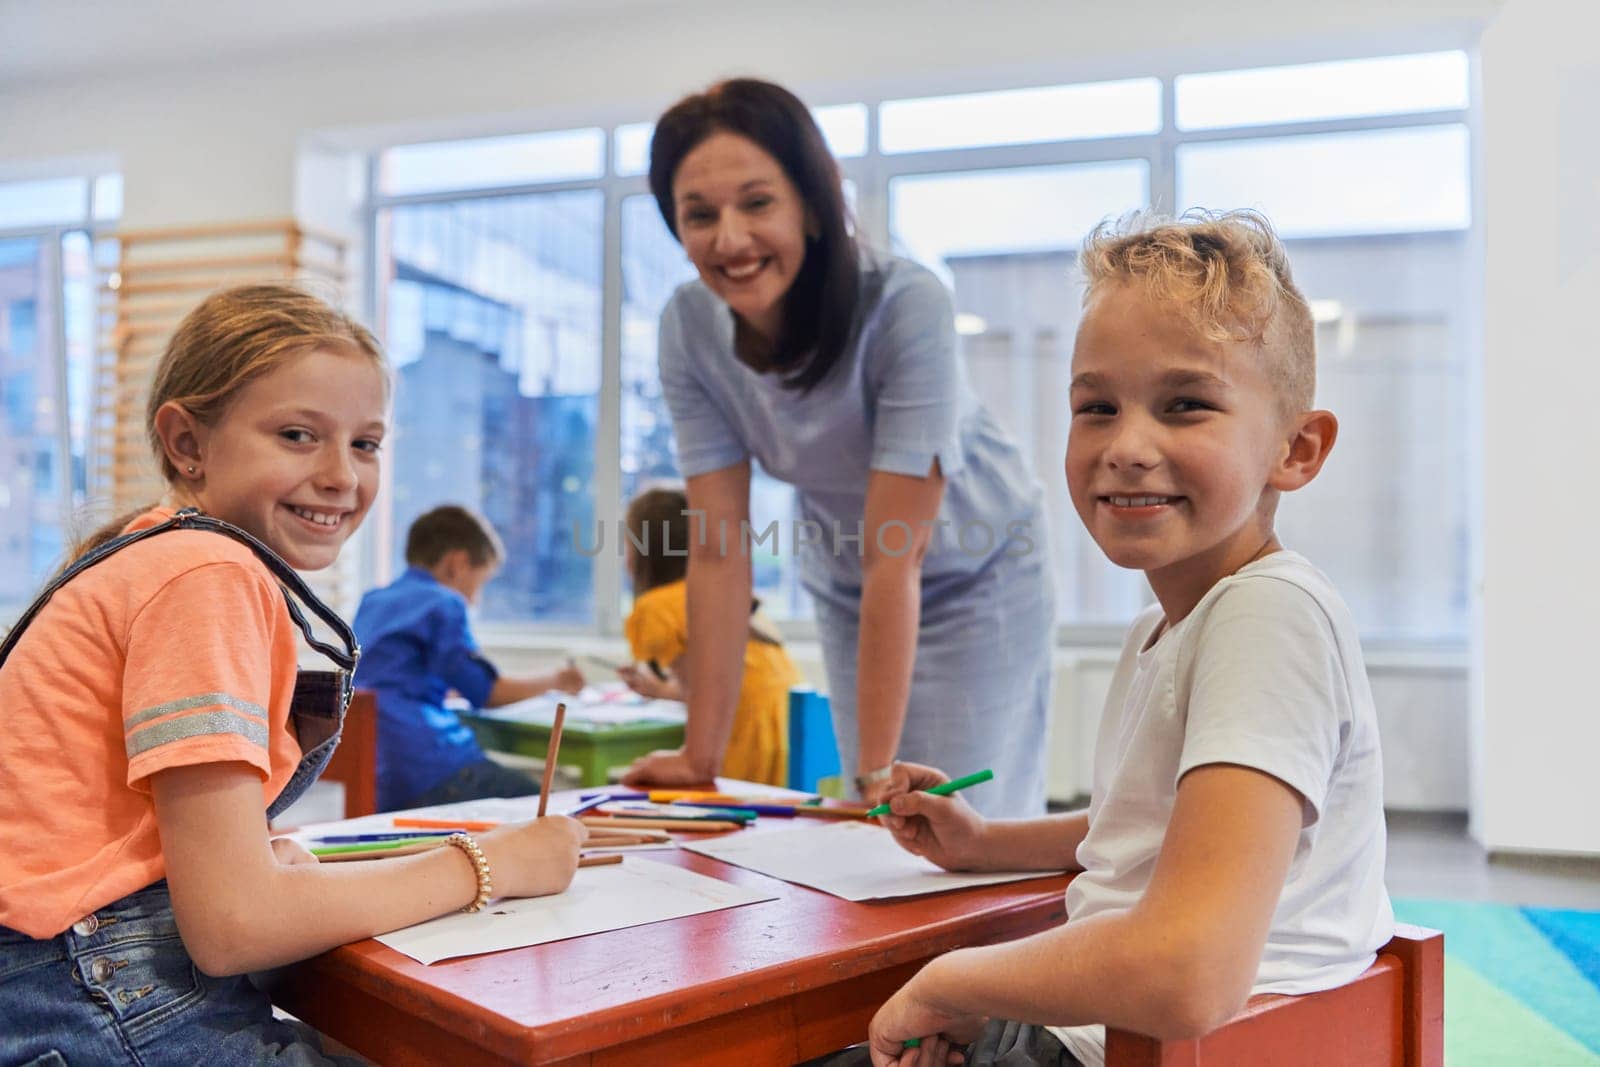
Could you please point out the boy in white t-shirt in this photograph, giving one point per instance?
(1234, 842)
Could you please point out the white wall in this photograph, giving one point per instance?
(215, 137)
(1535, 707)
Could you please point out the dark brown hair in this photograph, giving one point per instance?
(819, 311)
(447, 528)
(658, 520)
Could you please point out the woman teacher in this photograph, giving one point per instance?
(923, 543)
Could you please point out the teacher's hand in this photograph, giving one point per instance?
(665, 767)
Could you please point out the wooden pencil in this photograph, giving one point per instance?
(603, 837)
(550, 753)
(623, 842)
(817, 811)
(600, 860)
(444, 824)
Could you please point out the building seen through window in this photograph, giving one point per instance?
(48, 323)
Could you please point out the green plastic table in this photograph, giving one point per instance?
(594, 748)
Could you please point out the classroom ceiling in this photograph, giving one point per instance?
(52, 40)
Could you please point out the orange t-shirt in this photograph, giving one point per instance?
(177, 650)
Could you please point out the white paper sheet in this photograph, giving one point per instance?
(612, 704)
(853, 860)
(632, 893)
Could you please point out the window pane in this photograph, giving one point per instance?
(1009, 212)
(1007, 242)
(653, 265)
(31, 524)
(1392, 85)
(44, 202)
(1387, 181)
(1022, 116)
(108, 197)
(631, 148)
(844, 127)
(1387, 517)
(492, 315)
(484, 162)
(79, 294)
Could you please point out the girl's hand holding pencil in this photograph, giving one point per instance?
(943, 829)
(533, 859)
(541, 856)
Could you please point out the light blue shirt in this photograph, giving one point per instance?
(897, 400)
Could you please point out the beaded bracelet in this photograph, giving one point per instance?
(480, 867)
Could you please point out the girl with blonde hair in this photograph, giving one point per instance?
(156, 720)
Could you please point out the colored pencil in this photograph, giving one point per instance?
(625, 840)
(445, 824)
(379, 851)
(600, 861)
(817, 811)
(783, 811)
(586, 805)
(943, 790)
(550, 753)
(353, 839)
(668, 796)
(675, 811)
(602, 833)
(696, 826)
(378, 846)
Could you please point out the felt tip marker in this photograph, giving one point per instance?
(943, 790)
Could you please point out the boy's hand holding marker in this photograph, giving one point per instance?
(943, 829)
(892, 1039)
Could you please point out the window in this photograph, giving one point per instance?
(1363, 165)
(1023, 116)
(48, 317)
(492, 317)
(525, 159)
(1337, 184)
(1391, 85)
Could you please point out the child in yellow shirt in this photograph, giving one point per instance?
(658, 633)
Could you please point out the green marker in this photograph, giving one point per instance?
(911, 1042)
(943, 790)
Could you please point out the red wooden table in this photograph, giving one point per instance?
(767, 983)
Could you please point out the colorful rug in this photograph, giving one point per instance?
(1522, 985)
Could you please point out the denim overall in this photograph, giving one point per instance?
(118, 987)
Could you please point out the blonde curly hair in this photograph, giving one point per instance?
(1226, 273)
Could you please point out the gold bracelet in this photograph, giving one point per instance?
(480, 868)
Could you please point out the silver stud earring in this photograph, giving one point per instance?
(191, 468)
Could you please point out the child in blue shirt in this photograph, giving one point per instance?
(417, 646)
